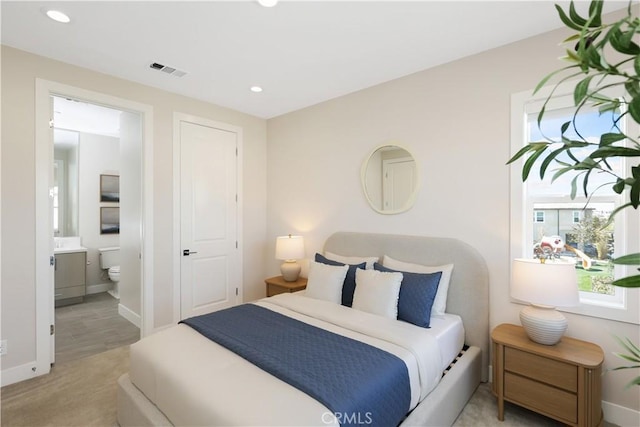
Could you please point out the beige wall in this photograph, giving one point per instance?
(455, 119)
(19, 71)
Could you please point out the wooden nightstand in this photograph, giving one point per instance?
(561, 381)
(277, 285)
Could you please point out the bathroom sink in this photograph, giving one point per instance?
(63, 245)
(69, 250)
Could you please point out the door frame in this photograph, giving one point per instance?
(44, 89)
(182, 117)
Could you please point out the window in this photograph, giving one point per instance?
(543, 208)
(576, 217)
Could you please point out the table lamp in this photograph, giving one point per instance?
(290, 248)
(545, 284)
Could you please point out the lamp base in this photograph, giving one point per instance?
(290, 271)
(544, 325)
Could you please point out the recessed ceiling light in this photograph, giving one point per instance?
(58, 16)
(256, 89)
(268, 3)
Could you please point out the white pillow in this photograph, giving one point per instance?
(377, 292)
(440, 303)
(325, 281)
(370, 260)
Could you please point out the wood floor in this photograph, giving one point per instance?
(91, 327)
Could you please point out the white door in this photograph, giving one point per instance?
(51, 292)
(210, 270)
(398, 182)
(130, 285)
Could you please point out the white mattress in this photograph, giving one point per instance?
(194, 381)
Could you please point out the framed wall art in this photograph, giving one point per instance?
(109, 188)
(109, 220)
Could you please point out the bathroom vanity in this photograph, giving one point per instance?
(70, 275)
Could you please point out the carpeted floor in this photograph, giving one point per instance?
(77, 393)
(83, 393)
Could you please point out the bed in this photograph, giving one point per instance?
(198, 382)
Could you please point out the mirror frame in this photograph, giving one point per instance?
(363, 180)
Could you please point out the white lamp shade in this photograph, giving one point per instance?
(289, 247)
(550, 283)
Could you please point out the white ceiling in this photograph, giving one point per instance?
(300, 52)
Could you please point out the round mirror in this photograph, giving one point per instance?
(390, 179)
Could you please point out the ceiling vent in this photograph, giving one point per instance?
(168, 70)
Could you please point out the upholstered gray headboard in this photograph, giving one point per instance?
(468, 294)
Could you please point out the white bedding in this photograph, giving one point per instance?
(449, 333)
(194, 381)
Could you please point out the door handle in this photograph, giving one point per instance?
(187, 252)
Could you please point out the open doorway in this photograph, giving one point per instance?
(95, 149)
(136, 305)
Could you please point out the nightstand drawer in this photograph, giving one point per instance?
(560, 381)
(540, 397)
(553, 372)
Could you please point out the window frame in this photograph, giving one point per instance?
(521, 221)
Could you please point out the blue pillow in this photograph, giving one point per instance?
(417, 293)
(349, 285)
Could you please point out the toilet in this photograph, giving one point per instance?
(110, 261)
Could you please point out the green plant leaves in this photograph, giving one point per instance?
(595, 76)
(566, 20)
(633, 356)
(634, 108)
(595, 13)
(627, 282)
(618, 187)
(538, 150)
(581, 90)
(577, 19)
(622, 41)
(609, 138)
(631, 259)
(609, 151)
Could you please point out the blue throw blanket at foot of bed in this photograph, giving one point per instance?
(359, 383)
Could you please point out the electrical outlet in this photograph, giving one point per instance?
(3, 347)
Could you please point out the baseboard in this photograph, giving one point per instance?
(129, 315)
(18, 373)
(619, 415)
(97, 289)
